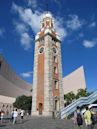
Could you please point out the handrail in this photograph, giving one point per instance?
(79, 102)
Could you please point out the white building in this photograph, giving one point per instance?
(74, 81)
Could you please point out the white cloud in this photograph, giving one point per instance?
(26, 74)
(25, 38)
(21, 28)
(74, 22)
(93, 24)
(2, 31)
(32, 3)
(90, 43)
(28, 17)
(26, 41)
(33, 20)
(60, 29)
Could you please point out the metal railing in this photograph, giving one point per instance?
(79, 102)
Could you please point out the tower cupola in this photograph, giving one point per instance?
(47, 26)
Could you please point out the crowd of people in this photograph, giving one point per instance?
(89, 117)
(13, 116)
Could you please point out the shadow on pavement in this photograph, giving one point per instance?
(2, 125)
(22, 121)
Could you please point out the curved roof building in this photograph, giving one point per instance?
(10, 84)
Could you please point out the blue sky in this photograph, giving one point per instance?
(76, 22)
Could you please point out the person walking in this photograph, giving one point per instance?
(78, 118)
(15, 115)
(22, 114)
(87, 117)
(12, 115)
(93, 118)
(2, 116)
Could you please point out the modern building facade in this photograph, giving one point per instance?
(47, 80)
(11, 86)
(74, 81)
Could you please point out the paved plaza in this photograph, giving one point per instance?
(40, 123)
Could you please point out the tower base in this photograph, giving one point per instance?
(44, 114)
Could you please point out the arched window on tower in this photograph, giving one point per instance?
(56, 84)
(55, 59)
(47, 23)
(55, 70)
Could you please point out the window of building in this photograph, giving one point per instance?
(54, 39)
(55, 59)
(47, 23)
(55, 51)
(56, 84)
(3, 106)
(55, 70)
(41, 50)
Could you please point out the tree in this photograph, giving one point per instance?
(23, 102)
(82, 93)
(69, 97)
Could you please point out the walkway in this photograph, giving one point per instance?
(40, 123)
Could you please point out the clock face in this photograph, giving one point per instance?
(54, 50)
(41, 50)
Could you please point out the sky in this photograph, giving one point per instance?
(75, 21)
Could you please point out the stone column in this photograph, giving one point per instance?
(48, 78)
(34, 110)
(60, 77)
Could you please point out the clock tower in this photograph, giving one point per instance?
(48, 95)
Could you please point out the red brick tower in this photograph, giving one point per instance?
(47, 80)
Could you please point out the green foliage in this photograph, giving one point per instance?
(82, 93)
(23, 102)
(69, 97)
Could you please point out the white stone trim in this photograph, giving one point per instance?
(34, 96)
(60, 77)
